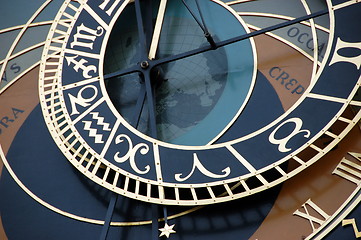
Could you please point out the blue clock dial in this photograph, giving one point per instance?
(201, 70)
(188, 119)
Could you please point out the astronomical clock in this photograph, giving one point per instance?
(180, 119)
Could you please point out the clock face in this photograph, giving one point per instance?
(122, 114)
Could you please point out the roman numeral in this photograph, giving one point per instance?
(353, 223)
(112, 7)
(356, 60)
(320, 217)
(349, 170)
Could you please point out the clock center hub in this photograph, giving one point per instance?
(196, 97)
(144, 64)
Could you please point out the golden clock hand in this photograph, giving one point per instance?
(157, 29)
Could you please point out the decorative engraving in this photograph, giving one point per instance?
(283, 141)
(130, 155)
(309, 217)
(353, 223)
(87, 34)
(80, 100)
(93, 132)
(342, 45)
(202, 169)
(81, 65)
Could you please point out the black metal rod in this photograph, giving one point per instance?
(139, 106)
(123, 72)
(108, 216)
(202, 18)
(237, 39)
(151, 104)
(141, 34)
(194, 16)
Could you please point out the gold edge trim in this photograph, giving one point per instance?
(254, 190)
(315, 41)
(36, 24)
(21, 33)
(238, 1)
(26, 50)
(328, 98)
(254, 74)
(345, 4)
(288, 43)
(76, 217)
(337, 217)
(18, 77)
(283, 17)
(39, 200)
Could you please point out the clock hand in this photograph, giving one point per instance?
(122, 72)
(201, 25)
(141, 34)
(237, 39)
(144, 73)
(218, 44)
(139, 106)
(157, 29)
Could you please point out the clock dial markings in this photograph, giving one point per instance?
(87, 69)
(309, 204)
(341, 45)
(20, 34)
(157, 163)
(79, 64)
(87, 36)
(243, 161)
(88, 110)
(282, 142)
(98, 137)
(110, 138)
(320, 196)
(328, 98)
(142, 148)
(135, 184)
(352, 222)
(349, 170)
(197, 164)
(80, 83)
(112, 7)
